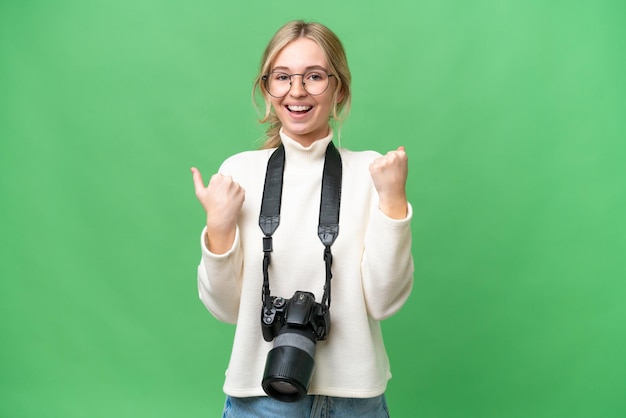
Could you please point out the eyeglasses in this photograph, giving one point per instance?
(278, 84)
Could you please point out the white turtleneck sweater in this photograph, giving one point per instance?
(372, 271)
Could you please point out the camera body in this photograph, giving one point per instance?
(300, 312)
(295, 325)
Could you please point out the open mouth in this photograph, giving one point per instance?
(299, 109)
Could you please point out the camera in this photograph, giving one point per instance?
(295, 325)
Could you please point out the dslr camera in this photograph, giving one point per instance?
(295, 325)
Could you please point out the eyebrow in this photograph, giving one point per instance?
(309, 68)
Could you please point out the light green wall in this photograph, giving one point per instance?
(513, 116)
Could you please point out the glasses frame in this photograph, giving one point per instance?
(265, 80)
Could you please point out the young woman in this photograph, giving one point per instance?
(305, 82)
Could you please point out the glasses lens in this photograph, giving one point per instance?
(278, 84)
(316, 82)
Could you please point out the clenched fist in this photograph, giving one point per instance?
(222, 200)
(389, 174)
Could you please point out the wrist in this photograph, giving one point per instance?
(219, 241)
(395, 208)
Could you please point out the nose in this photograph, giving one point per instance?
(297, 86)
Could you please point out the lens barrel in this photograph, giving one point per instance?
(289, 366)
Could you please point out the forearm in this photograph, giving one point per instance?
(219, 277)
(387, 264)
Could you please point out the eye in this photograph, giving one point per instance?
(315, 76)
(280, 76)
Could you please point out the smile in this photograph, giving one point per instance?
(299, 109)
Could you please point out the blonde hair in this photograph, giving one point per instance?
(335, 57)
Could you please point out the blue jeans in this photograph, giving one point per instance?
(310, 407)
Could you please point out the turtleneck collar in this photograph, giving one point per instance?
(297, 154)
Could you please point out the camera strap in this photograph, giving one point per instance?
(330, 201)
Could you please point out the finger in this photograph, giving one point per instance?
(197, 179)
(399, 152)
(398, 155)
(403, 155)
(374, 165)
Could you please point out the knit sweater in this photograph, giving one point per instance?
(372, 271)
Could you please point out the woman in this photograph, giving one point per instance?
(305, 82)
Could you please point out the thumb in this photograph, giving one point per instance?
(197, 179)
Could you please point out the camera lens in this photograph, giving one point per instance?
(283, 387)
(289, 366)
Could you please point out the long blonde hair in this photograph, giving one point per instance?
(338, 65)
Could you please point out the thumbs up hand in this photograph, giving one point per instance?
(222, 199)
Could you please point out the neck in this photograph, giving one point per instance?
(305, 155)
(309, 139)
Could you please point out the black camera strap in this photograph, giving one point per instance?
(330, 201)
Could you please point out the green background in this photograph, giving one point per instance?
(513, 116)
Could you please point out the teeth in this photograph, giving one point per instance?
(299, 108)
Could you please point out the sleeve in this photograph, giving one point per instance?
(219, 280)
(387, 264)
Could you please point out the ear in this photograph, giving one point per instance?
(341, 95)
